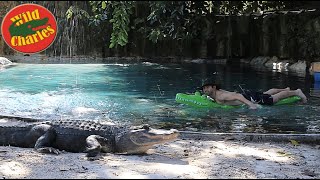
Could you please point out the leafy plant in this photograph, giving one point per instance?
(120, 22)
(165, 20)
(75, 12)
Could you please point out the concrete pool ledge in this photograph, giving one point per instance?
(253, 137)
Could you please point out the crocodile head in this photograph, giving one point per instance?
(27, 28)
(139, 139)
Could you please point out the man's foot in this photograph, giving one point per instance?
(303, 97)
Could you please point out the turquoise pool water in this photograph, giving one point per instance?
(145, 93)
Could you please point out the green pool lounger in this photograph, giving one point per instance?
(198, 100)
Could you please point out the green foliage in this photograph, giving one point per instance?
(166, 20)
(182, 20)
(120, 22)
(75, 12)
(101, 12)
(246, 7)
(178, 20)
(305, 34)
(155, 35)
(173, 20)
(117, 13)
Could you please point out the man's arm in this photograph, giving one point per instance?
(241, 98)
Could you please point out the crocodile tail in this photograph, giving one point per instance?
(14, 128)
(24, 119)
(10, 135)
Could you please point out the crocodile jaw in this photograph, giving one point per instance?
(139, 141)
(153, 136)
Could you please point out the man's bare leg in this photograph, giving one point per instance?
(275, 91)
(284, 94)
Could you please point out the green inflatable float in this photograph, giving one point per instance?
(201, 101)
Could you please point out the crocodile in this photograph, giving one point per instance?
(85, 136)
(27, 28)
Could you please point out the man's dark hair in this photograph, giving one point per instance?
(210, 82)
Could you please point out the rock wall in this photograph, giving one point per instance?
(5, 6)
(286, 35)
(293, 34)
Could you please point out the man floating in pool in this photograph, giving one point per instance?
(250, 98)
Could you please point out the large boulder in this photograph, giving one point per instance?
(299, 66)
(4, 61)
(271, 62)
(278, 64)
(259, 61)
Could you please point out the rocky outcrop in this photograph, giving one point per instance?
(4, 61)
(279, 64)
(284, 34)
(299, 67)
(271, 63)
(259, 61)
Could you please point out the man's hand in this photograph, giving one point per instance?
(255, 106)
(241, 98)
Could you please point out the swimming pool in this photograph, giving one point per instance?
(145, 93)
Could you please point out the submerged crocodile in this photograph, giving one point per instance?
(27, 28)
(84, 136)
